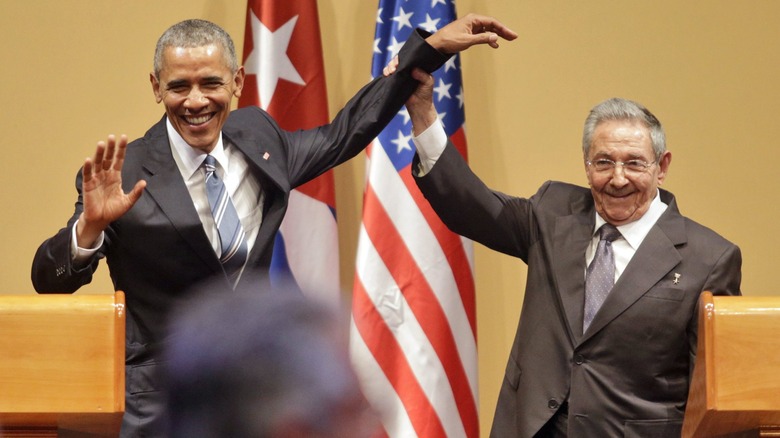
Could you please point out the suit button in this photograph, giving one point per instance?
(553, 404)
(578, 359)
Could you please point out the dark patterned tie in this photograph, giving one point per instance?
(231, 233)
(600, 275)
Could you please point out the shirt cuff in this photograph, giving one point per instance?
(80, 255)
(430, 145)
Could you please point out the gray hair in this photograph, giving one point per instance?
(195, 33)
(623, 109)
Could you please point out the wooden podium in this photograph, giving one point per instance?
(735, 390)
(62, 365)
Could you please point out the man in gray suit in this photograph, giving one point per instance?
(144, 206)
(581, 368)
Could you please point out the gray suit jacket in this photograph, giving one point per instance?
(158, 250)
(628, 374)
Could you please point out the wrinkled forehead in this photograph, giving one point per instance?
(630, 137)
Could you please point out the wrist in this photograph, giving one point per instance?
(88, 232)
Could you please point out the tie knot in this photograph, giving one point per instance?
(608, 232)
(210, 163)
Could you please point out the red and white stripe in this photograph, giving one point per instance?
(413, 329)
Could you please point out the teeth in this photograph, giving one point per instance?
(198, 120)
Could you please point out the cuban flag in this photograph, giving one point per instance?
(285, 76)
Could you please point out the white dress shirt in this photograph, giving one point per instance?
(631, 236)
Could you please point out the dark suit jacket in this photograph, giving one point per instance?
(628, 374)
(158, 250)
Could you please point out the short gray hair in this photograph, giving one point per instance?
(623, 109)
(195, 33)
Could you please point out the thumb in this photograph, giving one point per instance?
(137, 191)
(488, 38)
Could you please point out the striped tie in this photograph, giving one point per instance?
(231, 234)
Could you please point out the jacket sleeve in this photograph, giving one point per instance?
(52, 267)
(312, 152)
(499, 221)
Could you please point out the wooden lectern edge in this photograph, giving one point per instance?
(100, 423)
(695, 409)
(119, 353)
(702, 411)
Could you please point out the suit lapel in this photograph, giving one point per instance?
(257, 146)
(166, 186)
(655, 257)
(571, 237)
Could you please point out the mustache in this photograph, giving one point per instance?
(618, 193)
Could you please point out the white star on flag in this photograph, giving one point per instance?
(431, 25)
(269, 60)
(405, 114)
(450, 64)
(395, 47)
(403, 19)
(402, 142)
(441, 118)
(442, 90)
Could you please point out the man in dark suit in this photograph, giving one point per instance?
(580, 368)
(145, 206)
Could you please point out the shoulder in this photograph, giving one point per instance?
(247, 118)
(139, 148)
(561, 193)
(695, 233)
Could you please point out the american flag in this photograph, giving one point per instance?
(285, 76)
(413, 339)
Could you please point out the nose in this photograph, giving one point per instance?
(196, 100)
(618, 176)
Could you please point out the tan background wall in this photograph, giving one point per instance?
(77, 70)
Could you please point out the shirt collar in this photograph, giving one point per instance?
(191, 158)
(635, 232)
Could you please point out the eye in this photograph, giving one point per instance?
(212, 83)
(637, 165)
(177, 88)
(603, 164)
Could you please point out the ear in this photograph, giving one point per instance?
(663, 166)
(238, 82)
(155, 87)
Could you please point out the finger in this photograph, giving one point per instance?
(86, 171)
(391, 66)
(121, 150)
(99, 153)
(490, 24)
(110, 151)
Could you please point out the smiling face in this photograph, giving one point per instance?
(622, 197)
(196, 85)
